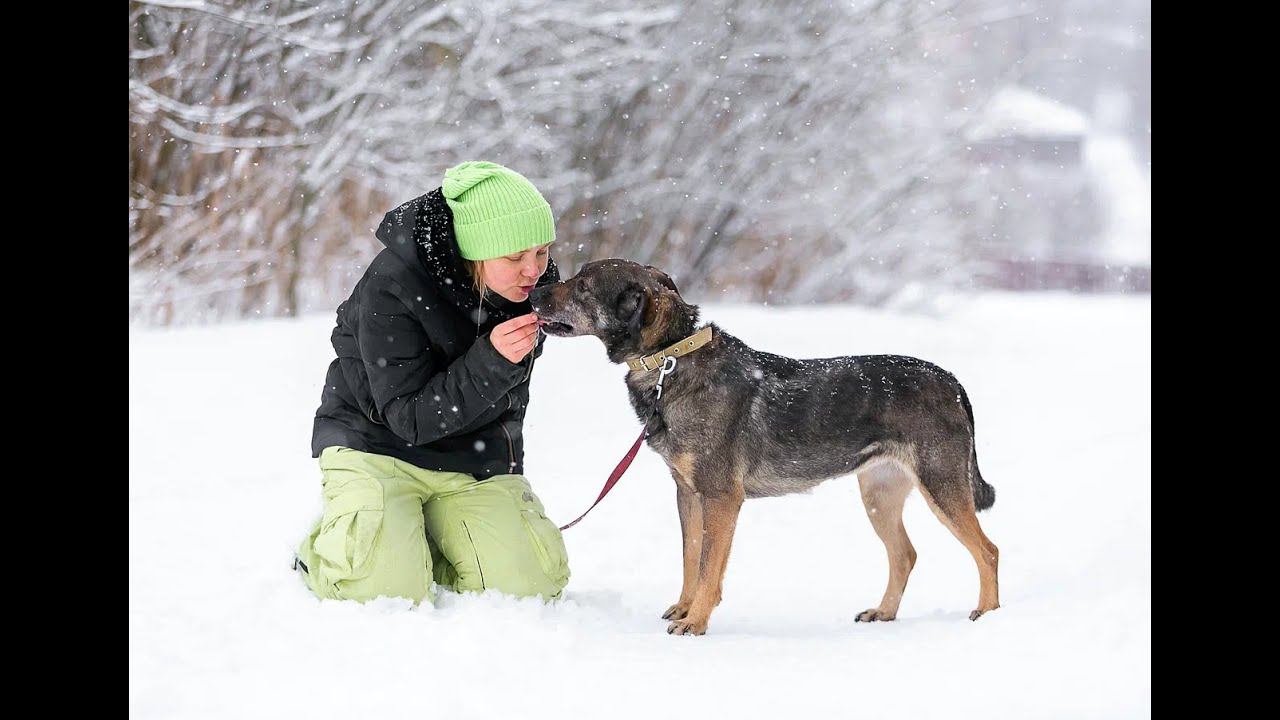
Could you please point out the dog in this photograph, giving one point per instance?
(732, 423)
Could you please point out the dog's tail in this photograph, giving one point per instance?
(984, 496)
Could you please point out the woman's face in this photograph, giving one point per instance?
(513, 276)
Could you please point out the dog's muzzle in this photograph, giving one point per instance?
(546, 319)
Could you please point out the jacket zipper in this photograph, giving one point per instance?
(511, 448)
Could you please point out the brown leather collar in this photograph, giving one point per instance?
(684, 347)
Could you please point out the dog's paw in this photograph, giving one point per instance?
(873, 615)
(980, 611)
(676, 612)
(688, 626)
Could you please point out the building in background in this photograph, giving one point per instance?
(1061, 203)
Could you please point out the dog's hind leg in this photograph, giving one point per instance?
(885, 488)
(690, 507)
(944, 483)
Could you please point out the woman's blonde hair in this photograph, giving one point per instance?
(477, 277)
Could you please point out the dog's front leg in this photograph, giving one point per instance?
(719, 518)
(690, 508)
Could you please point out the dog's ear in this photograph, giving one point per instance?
(631, 305)
(663, 278)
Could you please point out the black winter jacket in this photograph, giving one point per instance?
(416, 377)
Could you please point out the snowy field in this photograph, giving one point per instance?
(222, 487)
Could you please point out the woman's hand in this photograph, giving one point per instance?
(514, 338)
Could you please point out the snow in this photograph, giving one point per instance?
(1125, 192)
(222, 487)
(1015, 110)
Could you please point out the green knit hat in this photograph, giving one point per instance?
(496, 211)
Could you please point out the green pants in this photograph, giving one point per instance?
(390, 528)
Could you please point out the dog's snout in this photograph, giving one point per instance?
(538, 295)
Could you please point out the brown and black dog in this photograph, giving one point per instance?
(734, 423)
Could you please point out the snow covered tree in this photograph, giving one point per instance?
(771, 150)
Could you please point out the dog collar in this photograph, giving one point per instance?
(680, 349)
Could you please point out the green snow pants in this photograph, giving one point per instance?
(391, 528)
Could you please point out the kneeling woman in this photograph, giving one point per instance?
(419, 427)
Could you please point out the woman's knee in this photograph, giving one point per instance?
(369, 542)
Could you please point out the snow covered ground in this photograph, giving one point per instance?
(222, 486)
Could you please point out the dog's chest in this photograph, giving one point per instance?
(649, 412)
(674, 423)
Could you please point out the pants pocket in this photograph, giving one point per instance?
(353, 513)
(545, 537)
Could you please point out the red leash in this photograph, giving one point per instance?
(613, 477)
(668, 367)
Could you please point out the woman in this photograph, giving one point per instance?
(419, 427)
